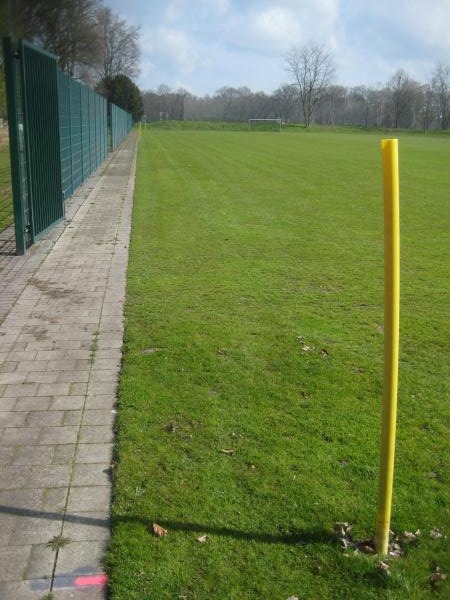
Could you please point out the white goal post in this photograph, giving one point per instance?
(277, 121)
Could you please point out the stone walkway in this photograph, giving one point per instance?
(61, 335)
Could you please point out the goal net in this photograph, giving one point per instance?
(264, 124)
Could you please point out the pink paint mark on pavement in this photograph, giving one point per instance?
(91, 580)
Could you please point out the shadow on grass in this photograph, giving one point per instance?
(301, 537)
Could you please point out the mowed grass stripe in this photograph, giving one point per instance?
(254, 324)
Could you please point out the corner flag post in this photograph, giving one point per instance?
(389, 149)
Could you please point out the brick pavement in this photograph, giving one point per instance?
(61, 334)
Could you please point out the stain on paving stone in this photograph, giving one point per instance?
(56, 293)
(39, 333)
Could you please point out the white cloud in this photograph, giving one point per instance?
(180, 47)
(270, 27)
(276, 25)
(207, 44)
(178, 10)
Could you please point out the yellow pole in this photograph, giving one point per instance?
(389, 149)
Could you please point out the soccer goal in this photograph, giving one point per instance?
(264, 124)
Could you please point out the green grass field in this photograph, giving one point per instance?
(249, 408)
(6, 207)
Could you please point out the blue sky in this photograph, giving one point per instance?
(202, 45)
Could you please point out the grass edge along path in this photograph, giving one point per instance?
(251, 387)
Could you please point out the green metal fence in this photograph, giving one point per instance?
(59, 131)
(83, 122)
(121, 123)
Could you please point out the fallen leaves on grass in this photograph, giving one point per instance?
(409, 537)
(437, 577)
(202, 539)
(436, 533)
(228, 452)
(159, 531)
(342, 531)
(384, 568)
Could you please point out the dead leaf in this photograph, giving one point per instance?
(202, 539)
(159, 531)
(384, 568)
(293, 598)
(408, 536)
(366, 549)
(396, 551)
(435, 533)
(342, 528)
(324, 352)
(228, 452)
(437, 577)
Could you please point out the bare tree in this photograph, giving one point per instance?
(440, 84)
(119, 46)
(312, 69)
(66, 28)
(402, 89)
(286, 98)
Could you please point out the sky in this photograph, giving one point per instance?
(203, 45)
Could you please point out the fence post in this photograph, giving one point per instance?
(12, 58)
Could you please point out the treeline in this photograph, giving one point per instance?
(92, 42)
(401, 103)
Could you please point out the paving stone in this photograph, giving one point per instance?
(92, 474)
(13, 377)
(99, 417)
(49, 476)
(93, 453)
(85, 557)
(59, 435)
(100, 401)
(63, 453)
(35, 530)
(33, 455)
(27, 404)
(83, 593)
(67, 403)
(20, 436)
(12, 419)
(21, 390)
(7, 404)
(25, 590)
(96, 434)
(49, 418)
(40, 562)
(12, 477)
(6, 454)
(12, 562)
(21, 502)
(72, 417)
(7, 526)
(88, 498)
(43, 377)
(54, 500)
(53, 389)
(78, 389)
(87, 526)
